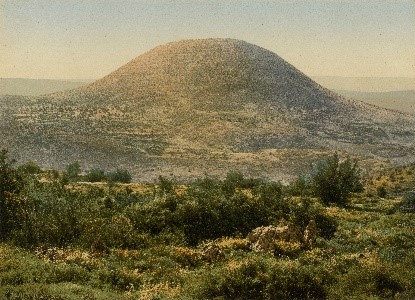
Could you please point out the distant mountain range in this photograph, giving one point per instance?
(37, 87)
(202, 106)
(399, 100)
(367, 84)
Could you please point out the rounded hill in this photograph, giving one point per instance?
(202, 106)
(212, 73)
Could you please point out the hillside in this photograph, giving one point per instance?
(197, 106)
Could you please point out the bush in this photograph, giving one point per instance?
(370, 281)
(72, 172)
(257, 277)
(96, 175)
(165, 185)
(381, 191)
(300, 187)
(120, 175)
(207, 211)
(334, 181)
(408, 203)
(10, 185)
(303, 210)
(30, 168)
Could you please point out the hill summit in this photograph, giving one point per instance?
(203, 106)
(211, 69)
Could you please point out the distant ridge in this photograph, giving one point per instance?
(203, 106)
(367, 84)
(403, 101)
(36, 87)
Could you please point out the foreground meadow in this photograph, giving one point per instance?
(72, 240)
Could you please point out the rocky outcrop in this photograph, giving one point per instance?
(310, 233)
(263, 238)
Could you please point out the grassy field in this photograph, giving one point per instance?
(370, 256)
(134, 241)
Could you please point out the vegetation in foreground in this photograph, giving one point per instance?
(64, 239)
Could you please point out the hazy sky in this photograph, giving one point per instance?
(71, 39)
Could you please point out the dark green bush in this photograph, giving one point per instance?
(10, 185)
(208, 211)
(165, 186)
(297, 282)
(381, 191)
(72, 172)
(370, 281)
(117, 279)
(300, 187)
(96, 175)
(30, 168)
(334, 181)
(119, 175)
(408, 203)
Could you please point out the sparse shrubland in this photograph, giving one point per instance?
(63, 239)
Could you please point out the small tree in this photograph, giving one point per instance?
(9, 184)
(232, 181)
(334, 181)
(72, 171)
(300, 187)
(165, 185)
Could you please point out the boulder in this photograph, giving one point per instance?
(310, 233)
(263, 238)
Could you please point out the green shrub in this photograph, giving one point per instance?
(334, 181)
(165, 186)
(300, 187)
(381, 191)
(96, 175)
(304, 209)
(296, 282)
(257, 277)
(10, 185)
(118, 279)
(246, 281)
(120, 175)
(369, 281)
(30, 168)
(408, 203)
(72, 171)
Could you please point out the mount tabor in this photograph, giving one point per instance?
(199, 107)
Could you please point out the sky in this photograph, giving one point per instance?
(88, 39)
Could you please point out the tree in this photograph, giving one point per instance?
(73, 170)
(9, 184)
(334, 181)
